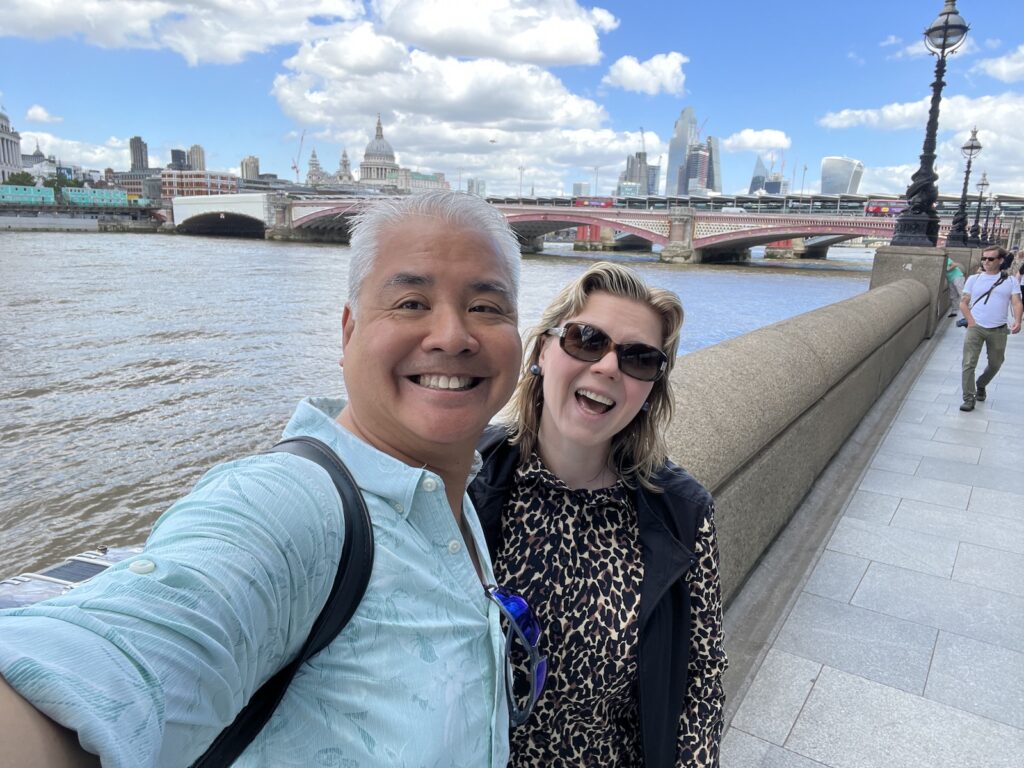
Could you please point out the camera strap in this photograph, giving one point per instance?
(986, 294)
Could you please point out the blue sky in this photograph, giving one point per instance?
(477, 88)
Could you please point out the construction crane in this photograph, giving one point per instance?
(298, 157)
(643, 141)
(700, 131)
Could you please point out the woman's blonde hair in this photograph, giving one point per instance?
(639, 450)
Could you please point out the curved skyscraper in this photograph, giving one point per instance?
(840, 175)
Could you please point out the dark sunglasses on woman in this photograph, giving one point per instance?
(589, 344)
(521, 639)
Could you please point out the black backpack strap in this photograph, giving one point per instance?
(346, 593)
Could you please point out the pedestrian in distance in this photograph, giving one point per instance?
(987, 300)
(955, 285)
(145, 664)
(612, 544)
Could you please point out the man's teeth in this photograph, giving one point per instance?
(433, 381)
(596, 397)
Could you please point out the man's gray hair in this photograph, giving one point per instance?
(454, 208)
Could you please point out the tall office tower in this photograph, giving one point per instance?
(580, 188)
(250, 167)
(197, 158)
(840, 175)
(714, 166)
(694, 175)
(653, 179)
(759, 177)
(179, 160)
(636, 173)
(683, 135)
(775, 184)
(140, 153)
(476, 187)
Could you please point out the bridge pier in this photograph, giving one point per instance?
(680, 237)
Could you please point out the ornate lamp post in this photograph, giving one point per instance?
(975, 240)
(918, 225)
(957, 237)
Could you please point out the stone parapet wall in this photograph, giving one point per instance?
(759, 417)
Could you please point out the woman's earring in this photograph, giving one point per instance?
(535, 369)
(645, 407)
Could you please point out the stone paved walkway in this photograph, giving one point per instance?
(905, 646)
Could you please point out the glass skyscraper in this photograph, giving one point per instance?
(840, 175)
(683, 135)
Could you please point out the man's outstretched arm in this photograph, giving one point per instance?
(29, 738)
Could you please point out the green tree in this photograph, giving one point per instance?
(58, 182)
(21, 179)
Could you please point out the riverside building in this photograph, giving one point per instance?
(10, 149)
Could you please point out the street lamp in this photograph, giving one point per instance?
(521, 169)
(957, 237)
(918, 225)
(985, 234)
(975, 229)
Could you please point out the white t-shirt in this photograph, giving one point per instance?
(991, 311)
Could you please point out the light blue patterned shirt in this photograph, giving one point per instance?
(148, 665)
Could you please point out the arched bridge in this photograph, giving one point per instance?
(682, 232)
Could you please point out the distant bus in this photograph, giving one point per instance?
(593, 202)
(885, 207)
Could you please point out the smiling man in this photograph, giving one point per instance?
(147, 663)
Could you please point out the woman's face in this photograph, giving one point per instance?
(587, 404)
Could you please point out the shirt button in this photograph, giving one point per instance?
(454, 546)
(397, 506)
(430, 485)
(142, 566)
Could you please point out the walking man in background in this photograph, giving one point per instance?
(986, 301)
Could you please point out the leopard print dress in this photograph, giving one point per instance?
(575, 555)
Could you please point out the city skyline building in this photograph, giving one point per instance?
(476, 187)
(197, 158)
(638, 176)
(139, 152)
(250, 167)
(840, 175)
(758, 177)
(344, 175)
(179, 160)
(378, 159)
(580, 188)
(10, 149)
(684, 134)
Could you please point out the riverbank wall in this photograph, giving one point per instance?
(760, 416)
(77, 224)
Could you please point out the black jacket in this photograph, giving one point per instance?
(668, 525)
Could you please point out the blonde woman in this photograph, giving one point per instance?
(612, 545)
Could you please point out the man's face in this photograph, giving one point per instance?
(990, 261)
(435, 350)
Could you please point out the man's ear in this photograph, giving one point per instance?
(348, 325)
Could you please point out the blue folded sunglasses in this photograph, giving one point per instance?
(521, 639)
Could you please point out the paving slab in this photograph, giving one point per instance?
(850, 722)
(990, 568)
(997, 503)
(894, 462)
(837, 575)
(959, 525)
(984, 614)
(896, 546)
(996, 478)
(876, 507)
(978, 677)
(861, 642)
(776, 696)
(741, 750)
(919, 488)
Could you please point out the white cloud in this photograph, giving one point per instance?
(1007, 69)
(38, 114)
(556, 32)
(1002, 154)
(890, 40)
(992, 43)
(760, 141)
(198, 30)
(113, 153)
(662, 73)
(856, 58)
(915, 50)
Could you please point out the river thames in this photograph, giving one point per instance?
(133, 363)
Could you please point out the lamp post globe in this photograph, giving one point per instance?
(957, 237)
(982, 188)
(918, 225)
